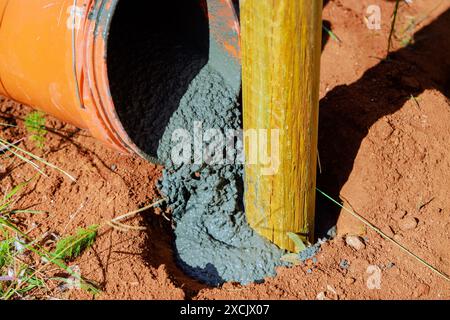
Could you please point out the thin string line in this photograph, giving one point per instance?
(377, 230)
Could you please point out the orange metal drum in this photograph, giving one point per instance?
(53, 57)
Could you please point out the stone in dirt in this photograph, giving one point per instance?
(408, 223)
(322, 296)
(355, 242)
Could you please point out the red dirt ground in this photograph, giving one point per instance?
(385, 152)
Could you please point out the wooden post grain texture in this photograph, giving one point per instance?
(281, 48)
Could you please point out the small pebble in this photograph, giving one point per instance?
(321, 296)
(408, 223)
(355, 242)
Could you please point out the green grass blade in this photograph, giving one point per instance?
(35, 157)
(71, 247)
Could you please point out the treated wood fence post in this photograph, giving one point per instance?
(281, 43)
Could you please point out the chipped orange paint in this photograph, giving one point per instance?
(223, 20)
(232, 50)
(38, 67)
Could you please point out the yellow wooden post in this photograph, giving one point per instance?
(281, 43)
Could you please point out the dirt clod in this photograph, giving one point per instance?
(421, 291)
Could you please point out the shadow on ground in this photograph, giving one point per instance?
(348, 111)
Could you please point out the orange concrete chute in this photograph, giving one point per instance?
(53, 57)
